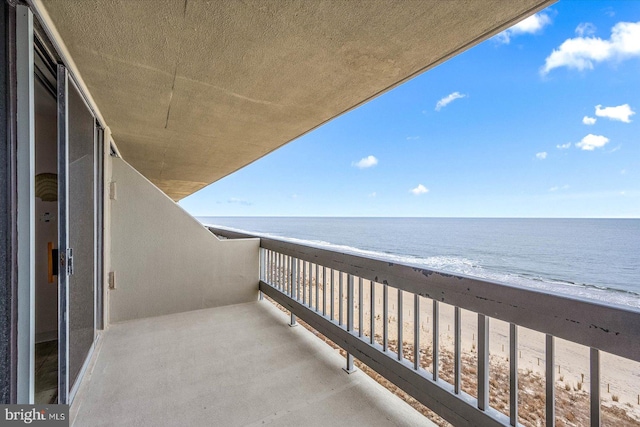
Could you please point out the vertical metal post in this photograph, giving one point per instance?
(274, 272)
(483, 362)
(400, 323)
(594, 373)
(550, 381)
(360, 309)
(373, 310)
(324, 291)
(340, 300)
(262, 272)
(278, 279)
(304, 282)
(297, 279)
(311, 281)
(435, 338)
(282, 273)
(294, 278)
(513, 374)
(416, 331)
(293, 284)
(286, 274)
(332, 296)
(317, 287)
(349, 303)
(385, 317)
(261, 264)
(269, 268)
(457, 349)
(349, 369)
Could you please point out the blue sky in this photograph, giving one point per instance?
(539, 121)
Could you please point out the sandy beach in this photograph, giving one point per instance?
(620, 378)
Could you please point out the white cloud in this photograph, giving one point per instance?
(531, 25)
(542, 155)
(420, 189)
(413, 138)
(582, 52)
(366, 162)
(448, 99)
(239, 201)
(585, 29)
(620, 113)
(563, 146)
(556, 188)
(589, 120)
(591, 142)
(374, 194)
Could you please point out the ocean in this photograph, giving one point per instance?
(587, 258)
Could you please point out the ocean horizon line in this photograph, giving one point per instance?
(408, 217)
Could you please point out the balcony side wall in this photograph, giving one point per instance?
(165, 261)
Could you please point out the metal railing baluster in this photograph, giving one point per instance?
(457, 349)
(324, 291)
(483, 362)
(304, 282)
(416, 331)
(287, 275)
(360, 310)
(513, 374)
(373, 310)
(268, 255)
(261, 277)
(350, 303)
(435, 351)
(385, 317)
(594, 373)
(317, 286)
(332, 295)
(280, 271)
(349, 369)
(550, 406)
(310, 290)
(293, 283)
(400, 328)
(298, 270)
(340, 301)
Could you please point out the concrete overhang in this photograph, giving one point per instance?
(194, 90)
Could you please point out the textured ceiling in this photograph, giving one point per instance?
(194, 90)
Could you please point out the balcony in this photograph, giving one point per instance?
(242, 365)
(228, 366)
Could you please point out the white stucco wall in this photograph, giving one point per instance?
(165, 261)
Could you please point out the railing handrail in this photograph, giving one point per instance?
(610, 328)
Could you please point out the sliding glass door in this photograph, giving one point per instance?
(77, 233)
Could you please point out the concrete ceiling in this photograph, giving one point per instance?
(193, 90)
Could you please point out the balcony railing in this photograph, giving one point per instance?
(347, 298)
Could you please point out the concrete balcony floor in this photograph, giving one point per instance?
(229, 366)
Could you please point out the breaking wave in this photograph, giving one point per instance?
(474, 268)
